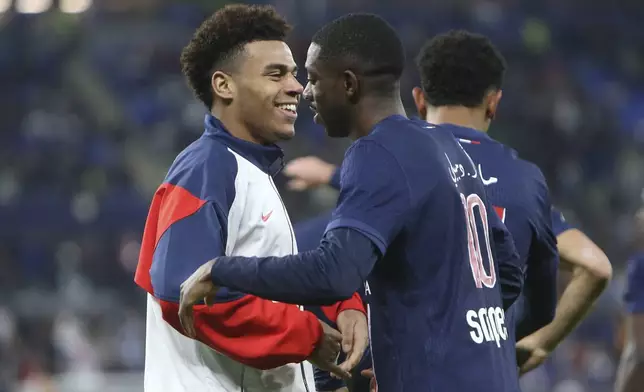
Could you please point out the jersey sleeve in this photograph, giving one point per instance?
(308, 235)
(334, 182)
(634, 294)
(332, 272)
(375, 197)
(183, 232)
(510, 272)
(559, 222)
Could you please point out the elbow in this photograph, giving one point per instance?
(602, 271)
(344, 284)
(598, 274)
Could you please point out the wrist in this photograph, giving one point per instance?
(213, 272)
(353, 303)
(545, 339)
(329, 173)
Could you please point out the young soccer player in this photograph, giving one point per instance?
(218, 198)
(412, 217)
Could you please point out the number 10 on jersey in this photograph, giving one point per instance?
(475, 208)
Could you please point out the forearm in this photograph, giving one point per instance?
(331, 273)
(256, 332)
(575, 302)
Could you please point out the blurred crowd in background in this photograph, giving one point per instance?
(94, 108)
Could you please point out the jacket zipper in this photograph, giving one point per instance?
(290, 226)
(270, 179)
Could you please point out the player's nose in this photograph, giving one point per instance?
(293, 87)
(306, 94)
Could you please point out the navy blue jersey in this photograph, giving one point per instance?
(634, 294)
(519, 193)
(436, 310)
(442, 255)
(559, 223)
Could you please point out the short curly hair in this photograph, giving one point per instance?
(459, 68)
(221, 38)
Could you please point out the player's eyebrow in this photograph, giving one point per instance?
(282, 68)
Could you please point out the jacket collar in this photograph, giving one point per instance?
(269, 158)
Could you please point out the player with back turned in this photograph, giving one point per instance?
(412, 219)
(461, 77)
(457, 69)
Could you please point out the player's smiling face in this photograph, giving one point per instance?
(267, 91)
(325, 93)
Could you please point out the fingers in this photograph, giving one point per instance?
(352, 360)
(529, 365)
(186, 317)
(347, 339)
(332, 333)
(209, 300)
(368, 373)
(337, 371)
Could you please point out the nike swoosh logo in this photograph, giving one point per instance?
(265, 217)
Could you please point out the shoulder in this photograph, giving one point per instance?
(207, 170)
(524, 174)
(368, 150)
(371, 166)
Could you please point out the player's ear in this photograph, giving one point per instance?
(492, 103)
(419, 100)
(222, 85)
(351, 85)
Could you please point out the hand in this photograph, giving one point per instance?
(197, 287)
(355, 336)
(326, 352)
(308, 172)
(373, 387)
(530, 354)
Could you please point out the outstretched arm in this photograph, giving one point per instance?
(331, 273)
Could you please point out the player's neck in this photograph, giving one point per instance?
(373, 110)
(234, 126)
(457, 115)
